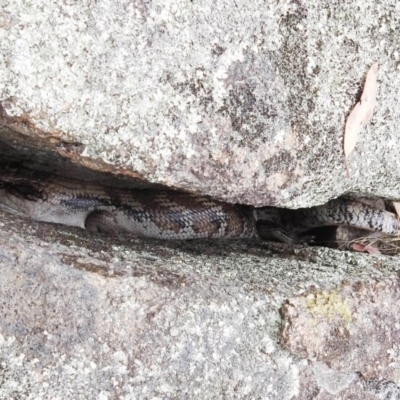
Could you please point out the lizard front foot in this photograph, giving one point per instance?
(100, 221)
(272, 231)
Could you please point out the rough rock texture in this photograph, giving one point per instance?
(89, 317)
(245, 101)
(334, 326)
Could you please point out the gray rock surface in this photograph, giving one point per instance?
(244, 101)
(334, 326)
(98, 318)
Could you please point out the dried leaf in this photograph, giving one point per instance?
(361, 113)
(353, 125)
(373, 236)
(396, 206)
(368, 248)
(368, 97)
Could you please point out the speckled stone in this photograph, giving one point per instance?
(85, 316)
(244, 101)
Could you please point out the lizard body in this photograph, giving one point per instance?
(167, 214)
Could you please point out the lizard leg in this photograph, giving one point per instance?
(272, 231)
(100, 221)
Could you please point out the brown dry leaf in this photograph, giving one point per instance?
(368, 248)
(396, 206)
(361, 113)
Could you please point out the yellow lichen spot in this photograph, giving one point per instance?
(328, 304)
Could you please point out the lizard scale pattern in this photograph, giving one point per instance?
(164, 214)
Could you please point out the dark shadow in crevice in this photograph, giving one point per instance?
(20, 150)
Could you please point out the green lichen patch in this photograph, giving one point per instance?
(328, 304)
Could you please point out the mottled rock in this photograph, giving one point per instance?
(354, 325)
(245, 102)
(93, 317)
